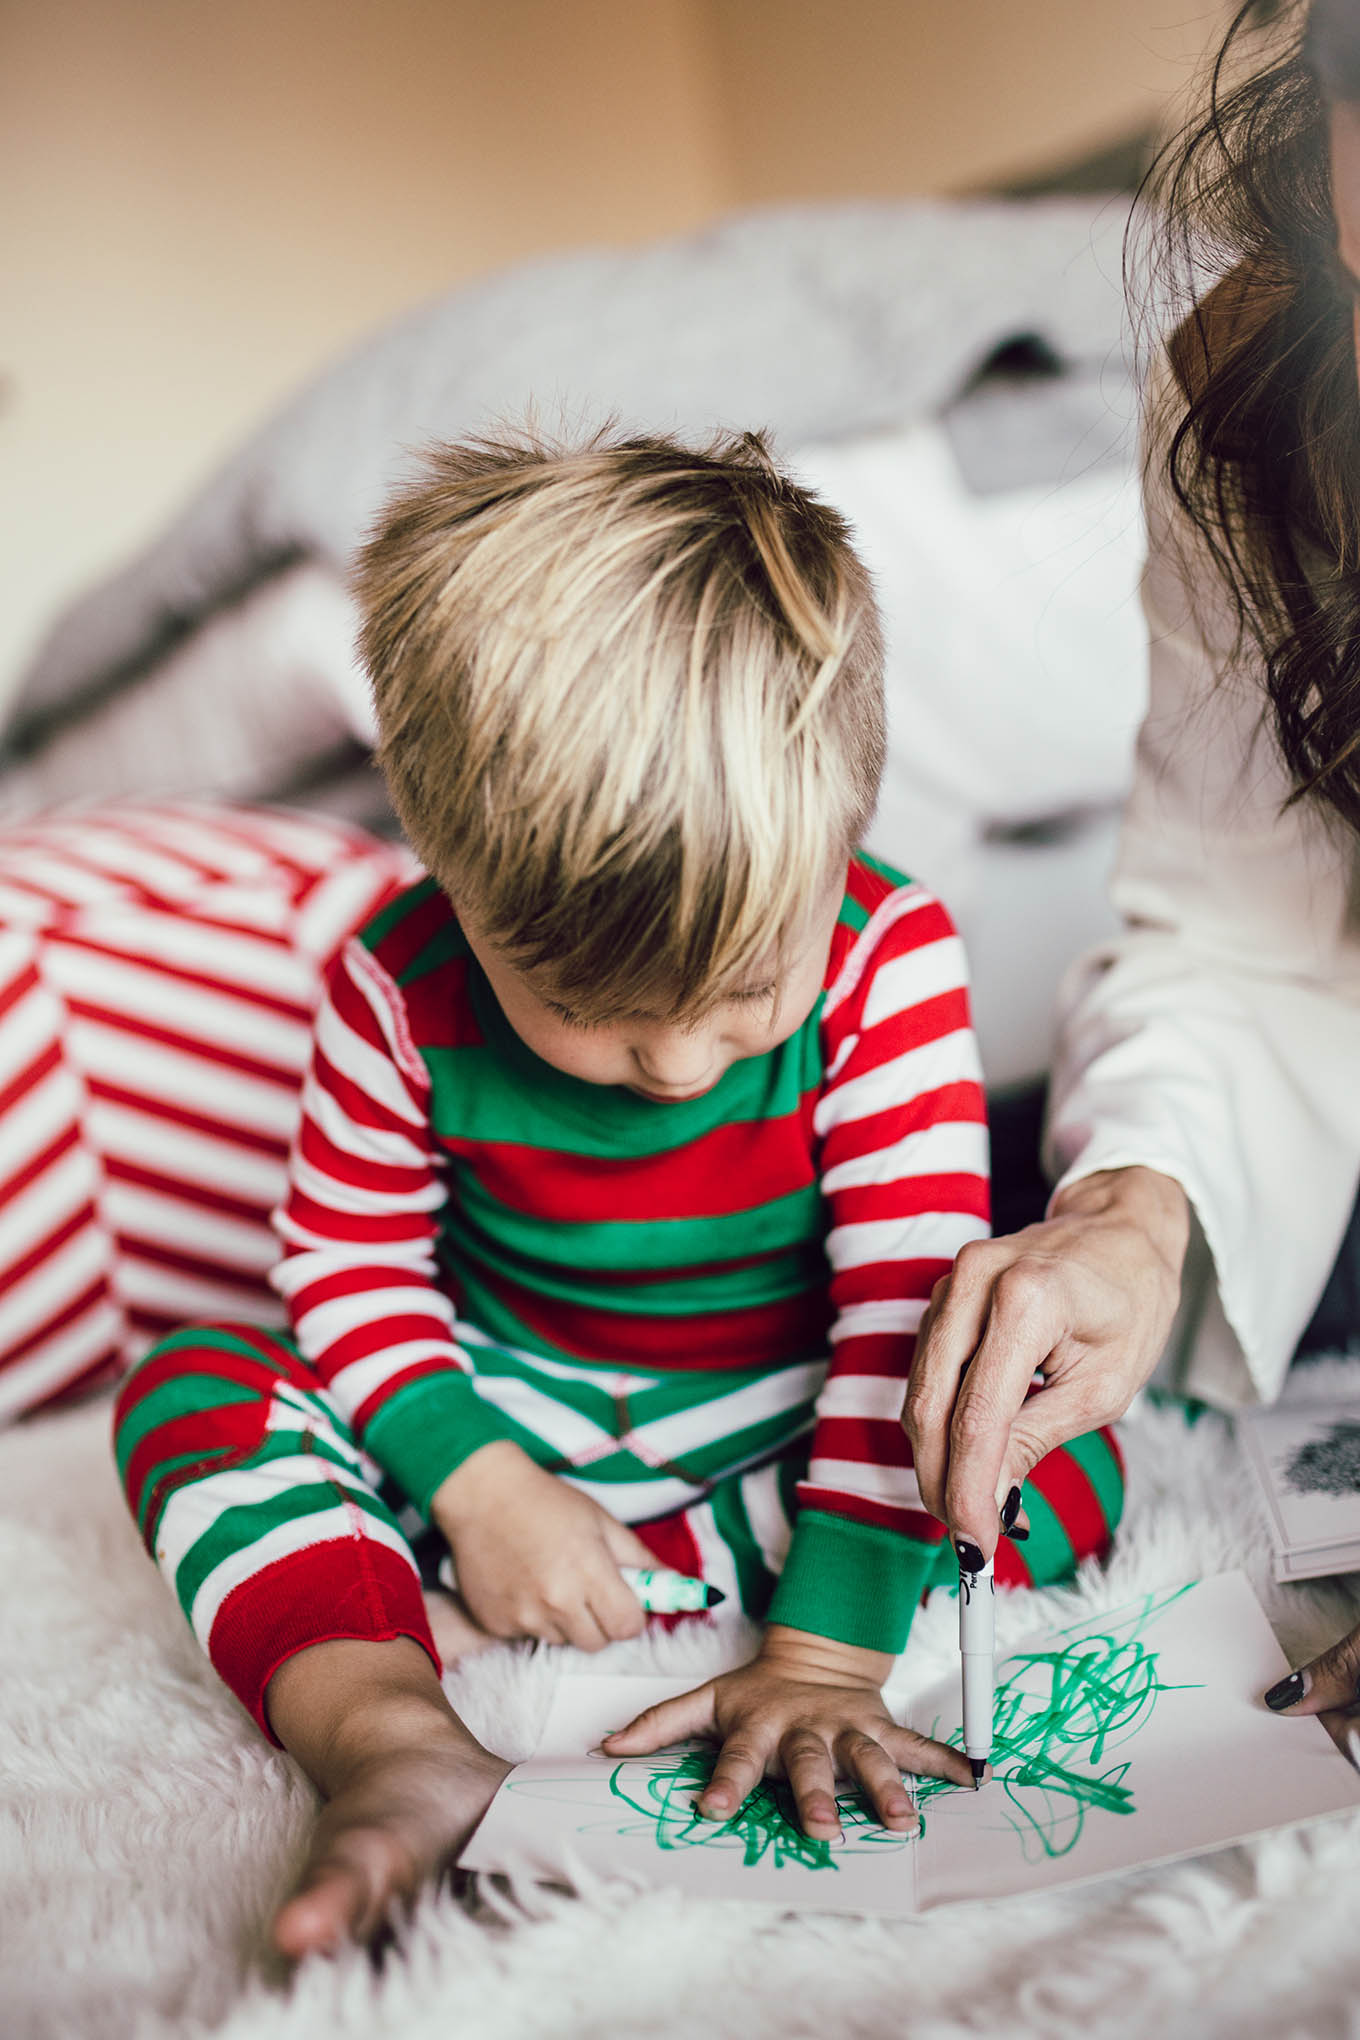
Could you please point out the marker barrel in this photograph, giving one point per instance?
(665, 1592)
(977, 1642)
(660, 1589)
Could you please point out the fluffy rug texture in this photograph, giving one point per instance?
(146, 1833)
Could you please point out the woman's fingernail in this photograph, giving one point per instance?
(1288, 1693)
(970, 1554)
(1017, 1533)
(1010, 1509)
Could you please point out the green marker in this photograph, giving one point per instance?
(660, 1590)
(663, 1592)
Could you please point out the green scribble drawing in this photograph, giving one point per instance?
(764, 1827)
(659, 1793)
(1058, 1715)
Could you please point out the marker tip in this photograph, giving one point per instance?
(978, 1767)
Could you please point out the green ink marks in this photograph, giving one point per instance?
(659, 1794)
(1066, 1719)
(1059, 1713)
(764, 1829)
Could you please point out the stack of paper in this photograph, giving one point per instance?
(1307, 1460)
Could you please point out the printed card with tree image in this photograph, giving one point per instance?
(1127, 1739)
(1306, 1458)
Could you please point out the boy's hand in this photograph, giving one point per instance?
(535, 1557)
(805, 1709)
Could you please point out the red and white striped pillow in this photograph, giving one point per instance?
(159, 968)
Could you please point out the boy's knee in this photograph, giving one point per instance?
(251, 1358)
(1074, 1500)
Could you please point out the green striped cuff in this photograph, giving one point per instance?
(429, 1428)
(852, 1581)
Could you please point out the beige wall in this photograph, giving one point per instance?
(888, 96)
(206, 198)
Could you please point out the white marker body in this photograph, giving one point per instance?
(977, 1641)
(665, 1592)
(660, 1589)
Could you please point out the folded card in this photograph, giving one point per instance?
(1306, 1459)
(1126, 1739)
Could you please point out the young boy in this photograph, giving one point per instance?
(634, 1141)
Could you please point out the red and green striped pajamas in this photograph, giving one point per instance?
(702, 1314)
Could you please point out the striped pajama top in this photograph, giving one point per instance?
(645, 1296)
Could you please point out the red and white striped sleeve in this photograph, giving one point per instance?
(359, 1225)
(903, 1159)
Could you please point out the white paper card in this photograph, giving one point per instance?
(1308, 1462)
(566, 1807)
(1131, 1739)
(1125, 1740)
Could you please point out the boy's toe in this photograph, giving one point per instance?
(346, 1894)
(322, 1917)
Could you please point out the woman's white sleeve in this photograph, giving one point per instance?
(1217, 1039)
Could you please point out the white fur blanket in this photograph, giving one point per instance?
(146, 1832)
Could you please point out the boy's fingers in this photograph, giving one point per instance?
(613, 1603)
(806, 1763)
(619, 1613)
(624, 1546)
(925, 1758)
(739, 1769)
(582, 1630)
(669, 1721)
(879, 1779)
(1329, 1681)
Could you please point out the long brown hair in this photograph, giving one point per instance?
(1261, 444)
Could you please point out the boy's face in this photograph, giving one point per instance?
(648, 1053)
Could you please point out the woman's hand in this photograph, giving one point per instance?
(808, 1710)
(1087, 1298)
(535, 1557)
(1328, 1687)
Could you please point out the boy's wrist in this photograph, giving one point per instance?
(429, 1430)
(822, 1660)
(484, 1478)
(854, 1583)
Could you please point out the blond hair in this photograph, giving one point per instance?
(630, 703)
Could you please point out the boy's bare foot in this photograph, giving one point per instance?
(405, 1783)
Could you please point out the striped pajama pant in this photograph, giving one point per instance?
(276, 1531)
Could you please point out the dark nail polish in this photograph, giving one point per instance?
(1017, 1533)
(1010, 1509)
(970, 1554)
(1286, 1693)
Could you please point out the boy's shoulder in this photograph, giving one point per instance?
(883, 914)
(869, 880)
(416, 933)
